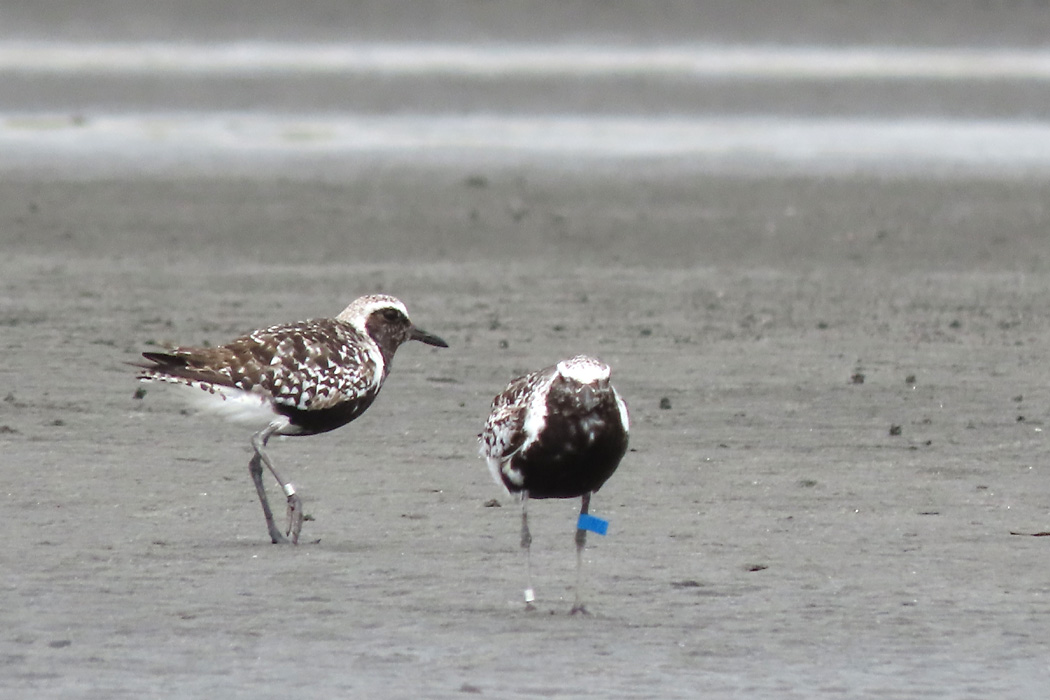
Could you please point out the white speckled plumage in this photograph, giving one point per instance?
(516, 420)
(308, 366)
(559, 432)
(295, 379)
(519, 415)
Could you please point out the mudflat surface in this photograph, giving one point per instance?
(838, 382)
(770, 535)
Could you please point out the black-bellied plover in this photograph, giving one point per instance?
(559, 432)
(295, 379)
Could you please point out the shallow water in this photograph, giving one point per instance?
(728, 142)
(543, 102)
(503, 60)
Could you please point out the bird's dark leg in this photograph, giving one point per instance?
(255, 469)
(526, 544)
(581, 542)
(295, 507)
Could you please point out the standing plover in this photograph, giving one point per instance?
(559, 432)
(297, 379)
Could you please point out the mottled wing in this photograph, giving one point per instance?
(507, 428)
(188, 365)
(504, 430)
(312, 365)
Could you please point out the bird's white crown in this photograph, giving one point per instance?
(584, 369)
(357, 313)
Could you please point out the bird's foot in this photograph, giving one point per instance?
(277, 538)
(295, 517)
(580, 609)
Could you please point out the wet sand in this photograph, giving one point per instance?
(770, 534)
(839, 501)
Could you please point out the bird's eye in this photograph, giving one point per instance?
(391, 315)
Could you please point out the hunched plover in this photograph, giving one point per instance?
(559, 432)
(298, 379)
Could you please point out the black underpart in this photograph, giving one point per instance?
(565, 462)
(312, 422)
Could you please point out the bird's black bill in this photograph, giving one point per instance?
(428, 338)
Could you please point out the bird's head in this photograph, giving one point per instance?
(385, 319)
(585, 370)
